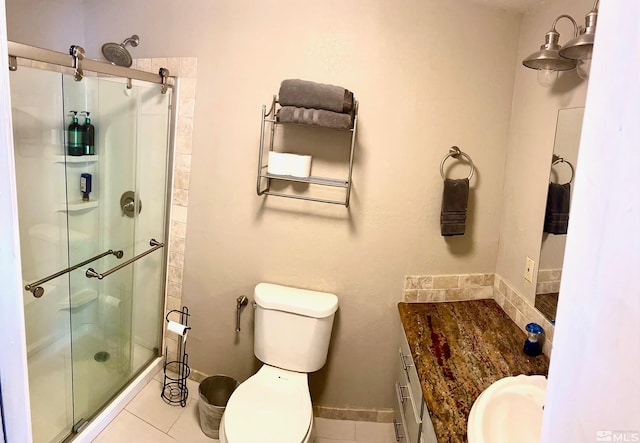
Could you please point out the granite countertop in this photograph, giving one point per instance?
(459, 349)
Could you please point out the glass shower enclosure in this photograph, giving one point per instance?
(92, 231)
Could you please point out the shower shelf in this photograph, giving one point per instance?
(79, 299)
(79, 205)
(75, 159)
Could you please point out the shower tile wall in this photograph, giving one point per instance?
(185, 68)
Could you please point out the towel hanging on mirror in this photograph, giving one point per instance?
(556, 217)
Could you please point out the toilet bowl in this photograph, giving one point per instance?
(291, 337)
(279, 405)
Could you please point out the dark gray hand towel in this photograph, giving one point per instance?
(556, 217)
(306, 94)
(453, 215)
(314, 117)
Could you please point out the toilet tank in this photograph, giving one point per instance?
(293, 326)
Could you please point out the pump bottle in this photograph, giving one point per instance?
(74, 136)
(88, 136)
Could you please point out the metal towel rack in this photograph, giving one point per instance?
(92, 272)
(557, 159)
(454, 151)
(264, 177)
(38, 291)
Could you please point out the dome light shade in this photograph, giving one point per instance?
(548, 57)
(581, 46)
(575, 54)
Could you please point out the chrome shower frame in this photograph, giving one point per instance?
(54, 59)
(20, 50)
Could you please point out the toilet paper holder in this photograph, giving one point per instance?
(176, 372)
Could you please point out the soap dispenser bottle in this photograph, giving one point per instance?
(88, 136)
(85, 186)
(532, 345)
(74, 136)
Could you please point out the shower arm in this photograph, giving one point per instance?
(133, 41)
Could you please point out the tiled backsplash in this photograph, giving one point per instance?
(521, 311)
(548, 281)
(434, 288)
(443, 288)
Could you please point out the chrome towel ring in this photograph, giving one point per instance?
(454, 151)
(557, 159)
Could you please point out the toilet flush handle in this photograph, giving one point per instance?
(240, 302)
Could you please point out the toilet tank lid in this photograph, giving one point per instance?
(298, 301)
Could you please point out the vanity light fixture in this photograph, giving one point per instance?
(576, 53)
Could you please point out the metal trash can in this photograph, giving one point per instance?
(214, 393)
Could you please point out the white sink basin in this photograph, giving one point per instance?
(508, 411)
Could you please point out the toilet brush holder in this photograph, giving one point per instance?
(176, 372)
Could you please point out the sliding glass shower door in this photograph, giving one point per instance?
(36, 101)
(95, 327)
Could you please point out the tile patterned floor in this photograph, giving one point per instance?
(148, 419)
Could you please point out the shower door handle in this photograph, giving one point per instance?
(38, 291)
(92, 272)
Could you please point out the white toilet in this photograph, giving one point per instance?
(292, 332)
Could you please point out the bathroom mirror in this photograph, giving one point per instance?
(562, 165)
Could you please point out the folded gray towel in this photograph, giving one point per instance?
(556, 217)
(306, 94)
(314, 117)
(453, 215)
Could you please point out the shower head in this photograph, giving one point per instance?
(118, 54)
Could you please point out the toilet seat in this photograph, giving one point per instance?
(278, 404)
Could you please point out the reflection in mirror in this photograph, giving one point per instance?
(563, 165)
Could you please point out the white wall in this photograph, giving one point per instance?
(13, 352)
(531, 138)
(51, 25)
(593, 380)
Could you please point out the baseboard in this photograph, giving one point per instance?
(355, 414)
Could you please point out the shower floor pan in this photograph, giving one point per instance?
(94, 382)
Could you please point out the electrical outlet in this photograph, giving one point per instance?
(528, 272)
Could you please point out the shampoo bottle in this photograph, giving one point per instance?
(88, 136)
(74, 136)
(85, 186)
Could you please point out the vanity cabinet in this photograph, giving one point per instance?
(412, 423)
